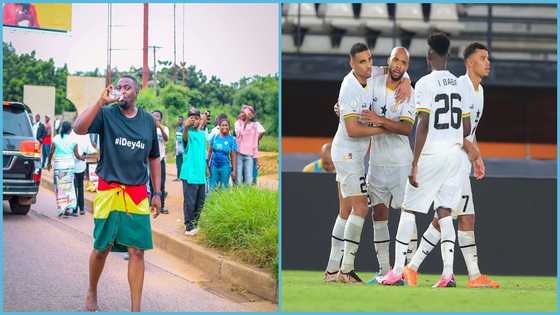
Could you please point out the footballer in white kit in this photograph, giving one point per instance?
(349, 148)
(477, 63)
(436, 172)
(390, 153)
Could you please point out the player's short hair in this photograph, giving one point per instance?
(358, 48)
(471, 48)
(127, 76)
(439, 42)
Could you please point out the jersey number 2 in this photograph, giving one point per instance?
(455, 111)
(363, 185)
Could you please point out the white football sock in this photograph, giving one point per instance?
(381, 241)
(427, 244)
(413, 245)
(352, 235)
(337, 245)
(447, 244)
(468, 248)
(406, 224)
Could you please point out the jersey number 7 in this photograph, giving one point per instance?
(455, 111)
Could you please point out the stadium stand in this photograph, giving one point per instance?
(520, 117)
(515, 32)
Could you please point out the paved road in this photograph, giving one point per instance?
(46, 261)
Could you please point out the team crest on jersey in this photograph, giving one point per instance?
(348, 156)
(395, 107)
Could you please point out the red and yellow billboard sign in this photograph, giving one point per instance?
(44, 16)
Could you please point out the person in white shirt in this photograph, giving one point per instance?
(84, 147)
(216, 130)
(477, 63)
(179, 149)
(35, 123)
(390, 154)
(436, 171)
(163, 137)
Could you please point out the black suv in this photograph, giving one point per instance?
(22, 158)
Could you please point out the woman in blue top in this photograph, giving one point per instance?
(221, 153)
(64, 150)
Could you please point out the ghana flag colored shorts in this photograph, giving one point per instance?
(122, 217)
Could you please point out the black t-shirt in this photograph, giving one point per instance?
(126, 144)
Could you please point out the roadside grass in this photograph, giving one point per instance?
(268, 144)
(243, 221)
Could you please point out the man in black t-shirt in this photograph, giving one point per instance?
(128, 145)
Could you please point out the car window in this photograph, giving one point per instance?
(16, 123)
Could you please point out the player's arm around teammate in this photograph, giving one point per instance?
(390, 154)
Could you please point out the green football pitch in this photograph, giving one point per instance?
(306, 291)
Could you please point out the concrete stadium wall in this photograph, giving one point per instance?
(516, 226)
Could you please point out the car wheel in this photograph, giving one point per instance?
(18, 208)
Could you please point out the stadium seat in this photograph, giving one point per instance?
(512, 10)
(444, 18)
(321, 7)
(308, 17)
(288, 45)
(316, 44)
(341, 16)
(376, 17)
(409, 17)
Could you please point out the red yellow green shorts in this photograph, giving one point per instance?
(122, 217)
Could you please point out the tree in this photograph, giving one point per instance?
(262, 94)
(192, 88)
(26, 69)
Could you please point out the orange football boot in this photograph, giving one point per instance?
(482, 282)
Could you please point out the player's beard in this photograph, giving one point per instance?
(396, 78)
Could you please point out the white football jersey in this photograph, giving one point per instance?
(352, 100)
(474, 100)
(390, 149)
(440, 95)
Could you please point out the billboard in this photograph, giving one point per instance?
(44, 16)
(40, 99)
(84, 91)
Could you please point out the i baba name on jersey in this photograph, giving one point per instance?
(439, 95)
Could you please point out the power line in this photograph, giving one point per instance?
(109, 78)
(174, 45)
(155, 73)
(183, 33)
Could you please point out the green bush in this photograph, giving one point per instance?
(268, 144)
(243, 220)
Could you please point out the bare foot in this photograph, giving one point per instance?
(91, 302)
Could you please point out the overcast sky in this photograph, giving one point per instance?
(226, 40)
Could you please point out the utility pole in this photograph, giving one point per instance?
(155, 73)
(108, 77)
(183, 63)
(183, 32)
(145, 50)
(174, 45)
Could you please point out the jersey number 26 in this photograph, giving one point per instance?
(455, 111)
